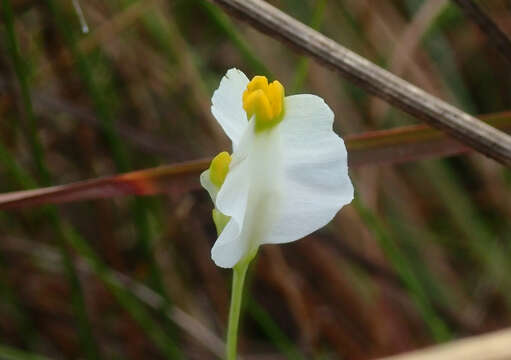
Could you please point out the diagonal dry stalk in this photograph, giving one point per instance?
(409, 98)
(495, 35)
(491, 346)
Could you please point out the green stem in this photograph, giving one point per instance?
(238, 280)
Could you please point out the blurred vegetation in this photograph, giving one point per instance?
(423, 255)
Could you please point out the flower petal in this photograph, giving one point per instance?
(232, 201)
(227, 105)
(228, 250)
(315, 184)
(205, 181)
(251, 191)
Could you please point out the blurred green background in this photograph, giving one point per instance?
(423, 255)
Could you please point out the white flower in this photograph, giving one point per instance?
(288, 174)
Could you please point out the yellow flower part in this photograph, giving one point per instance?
(265, 101)
(219, 168)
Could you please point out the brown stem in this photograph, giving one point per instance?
(409, 98)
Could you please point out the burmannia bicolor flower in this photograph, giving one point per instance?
(287, 175)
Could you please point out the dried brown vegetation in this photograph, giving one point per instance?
(122, 269)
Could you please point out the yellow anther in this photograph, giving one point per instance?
(258, 82)
(276, 97)
(219, 168)
(257, 103)
(264, 101)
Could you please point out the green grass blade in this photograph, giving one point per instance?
(88, 342)
(157, 334)
(439, 330)
(480, 239)
(119, 153)
(272, 330)
(26, 326)
(123, 296)
(223, 22)
(9, 353)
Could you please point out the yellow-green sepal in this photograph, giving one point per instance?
(220, 220)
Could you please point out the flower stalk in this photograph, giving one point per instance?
(238, 282)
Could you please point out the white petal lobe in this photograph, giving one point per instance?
(232, 200)
(315, 184)
(227, 105)
(227, 250)
(206, 183)
(250, 194)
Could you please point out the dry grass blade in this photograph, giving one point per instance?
(383, 147)
(406, 56)
(493, 346)
(143, 182)
(495, 35)
(411, 143)
(410, 39)
(374, 79)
